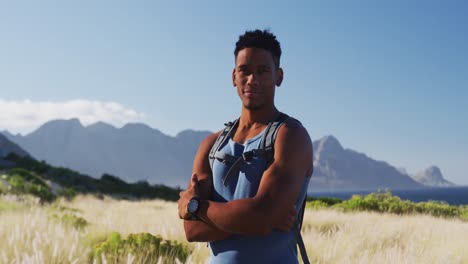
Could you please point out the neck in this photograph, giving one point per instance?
(250, 118)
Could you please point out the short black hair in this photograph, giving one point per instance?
(262, 39)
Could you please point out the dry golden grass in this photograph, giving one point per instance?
(29, 235)
(363, 237)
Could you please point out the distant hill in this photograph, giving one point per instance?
(7, 147)
(139, 152)
(432, 177)
(133, 152)
(338, 169)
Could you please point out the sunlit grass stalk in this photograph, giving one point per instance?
(30, 235)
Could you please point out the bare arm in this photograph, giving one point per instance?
(199, 230)
(279, 188)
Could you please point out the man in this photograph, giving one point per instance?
(247, 211)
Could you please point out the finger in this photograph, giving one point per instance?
(180, 194)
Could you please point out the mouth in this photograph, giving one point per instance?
(251, 93)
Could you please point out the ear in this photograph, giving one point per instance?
(279, 76)
(234, 77)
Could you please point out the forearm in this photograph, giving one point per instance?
(199, 231)
(244, 216)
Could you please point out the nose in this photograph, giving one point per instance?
(252, 80)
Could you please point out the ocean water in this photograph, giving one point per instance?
(451, 195)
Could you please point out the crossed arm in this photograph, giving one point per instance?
(199, 230)
(272, 206)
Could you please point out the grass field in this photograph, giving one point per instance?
(68, 232)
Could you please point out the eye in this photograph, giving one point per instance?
(263, 70)
(243, 70)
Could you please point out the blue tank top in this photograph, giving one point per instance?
(276, 247)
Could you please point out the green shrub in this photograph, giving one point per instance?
(67, 193)
(317, 204)
(437, 208)
(75, 221)
(3, 186)
(464, 212)
(17, 184)
(27, 184)
(388, 203)
(146, 248)
(71, 220)
(27, 176)
(40, 191)
(327, 200)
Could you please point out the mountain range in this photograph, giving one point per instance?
(138, 152)
(133, 152)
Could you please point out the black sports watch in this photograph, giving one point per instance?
(193, 206)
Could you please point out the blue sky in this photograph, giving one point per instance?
(387, 79)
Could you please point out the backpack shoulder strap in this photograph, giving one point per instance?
(269, 138)
(300, 243)
(227, 131)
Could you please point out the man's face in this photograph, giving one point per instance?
(255, 77)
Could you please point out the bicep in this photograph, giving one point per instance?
(282, 182)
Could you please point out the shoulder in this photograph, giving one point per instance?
(292, 130)
(293, 138)
(209, 141)
(201, 156)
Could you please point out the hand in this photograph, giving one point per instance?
(185, 196)
(288, 220)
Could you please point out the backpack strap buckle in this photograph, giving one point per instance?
(248, 155)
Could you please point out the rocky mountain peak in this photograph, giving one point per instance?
(327, 146)
(432, 176)
(61, 125)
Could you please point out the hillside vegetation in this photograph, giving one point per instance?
(385, 202)
(46, 182)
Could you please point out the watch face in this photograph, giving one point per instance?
(192, 206)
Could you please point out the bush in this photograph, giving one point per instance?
(67, 193)
(388, 203)
(464, 212)
(71, 220)
(75, 221)
(44, 193)
(327, 200)
(317, 204)
(145, 247)
(26, 183)
(27, 176)
(437, 208)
